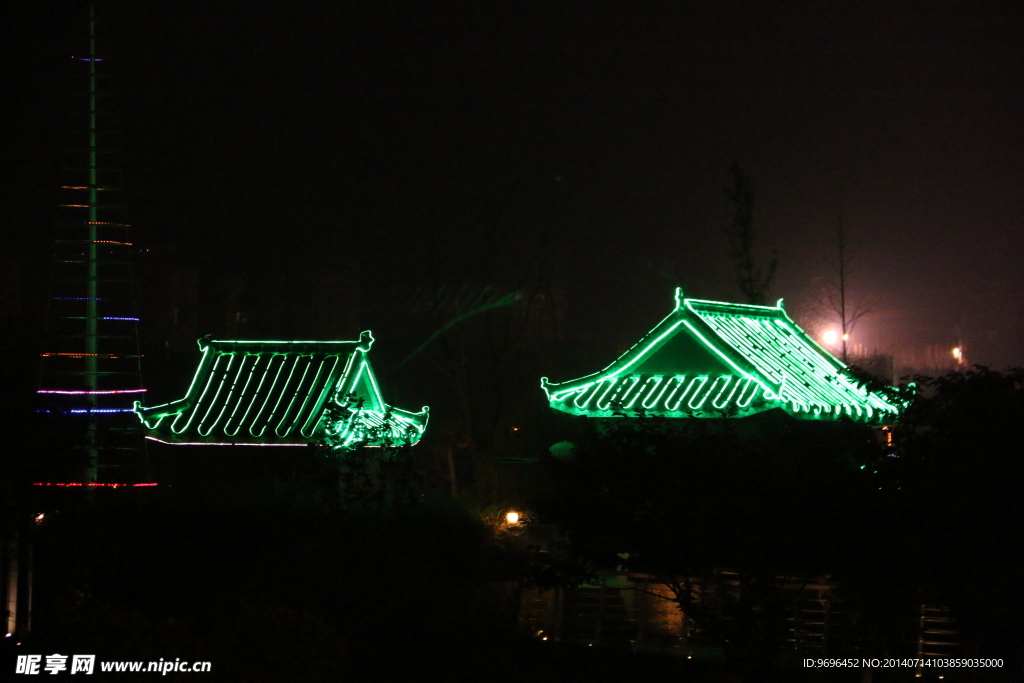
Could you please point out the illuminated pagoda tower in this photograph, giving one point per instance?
(284, 393)
(711, 359)
(90, 365)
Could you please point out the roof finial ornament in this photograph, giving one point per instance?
(365, 340)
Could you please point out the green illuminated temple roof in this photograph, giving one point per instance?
(283, 393)
(716, 359)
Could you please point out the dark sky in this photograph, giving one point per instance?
(593, 146)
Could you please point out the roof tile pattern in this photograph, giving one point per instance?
(285, 394)
(715, 359)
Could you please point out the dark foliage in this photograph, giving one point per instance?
(767, 498)
(960, 474)
(928, 517)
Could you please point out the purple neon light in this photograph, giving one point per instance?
(113, 318)
(90, 393)
(76, 411)
(87, 59)
(78, 298)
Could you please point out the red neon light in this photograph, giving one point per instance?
(79, 483)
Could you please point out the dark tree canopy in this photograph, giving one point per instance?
(766, 497)
(959, 473)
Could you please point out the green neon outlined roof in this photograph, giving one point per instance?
(283, 393)
(714, 359)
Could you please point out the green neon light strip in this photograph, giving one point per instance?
(740, 331)
(681, 383)
(728, 361)
(750, 387)
(378, 400)
(165, 410)
(291, 386)
(189, 414)
(832, 393)
(264, 371)
(634, 391)
(588, 391)
(765, 363)
(312, 393)
(225, 443)
(245, 385)
(664, 395)
(836, 391)
(692, 387)
(772, 361)
(640, 356)
(259, 421)
(235, 391)
(275, 412)
(329, 386)
(649, 404)
(614, 369)
(250, 345)
(232, 427)
(267, 369)
(643, 389)
(285, 424)
(615, 389)
(215, 401)
(559, 395)
(354, 382)
(696, 392)
(214, 373)
(720, 404)
(610, 382)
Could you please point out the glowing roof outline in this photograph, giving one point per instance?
(284, 393)
(759, 348)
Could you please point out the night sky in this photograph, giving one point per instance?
(461, 142)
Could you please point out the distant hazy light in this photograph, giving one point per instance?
(512, 518)
(830, 337)
(958, 353)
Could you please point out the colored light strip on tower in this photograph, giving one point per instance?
(87, 270)
(125, 244)
(90, 393)
(75, 354)
(94, 484)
